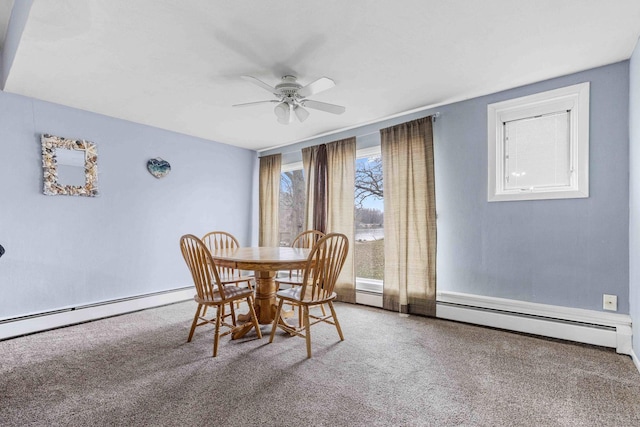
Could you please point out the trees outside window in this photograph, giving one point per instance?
(369, 220)
(292, 205)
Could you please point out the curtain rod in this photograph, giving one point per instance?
(434, 116)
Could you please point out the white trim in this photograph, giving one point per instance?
(369, 285)
(572, 324)
(635, 359)
(10, 328)
(373, 299)
(536, 309)
(288, 167)
(573, 98)
(375, 150)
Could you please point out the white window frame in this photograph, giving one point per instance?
(288, 167)
(574, 99)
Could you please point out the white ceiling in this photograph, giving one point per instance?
(176, 64)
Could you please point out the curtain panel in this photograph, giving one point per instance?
(341, 178)
(409, 218)
(269, 194)
(330, 180)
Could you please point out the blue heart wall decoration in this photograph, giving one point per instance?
(158, 167)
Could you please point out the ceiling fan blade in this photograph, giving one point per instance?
(260, 83)
(323, 106)
(301, 113)
(322, 84)
(255, 103)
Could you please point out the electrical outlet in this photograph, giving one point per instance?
(610, 302)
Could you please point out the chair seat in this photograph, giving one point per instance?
(231, 292)
(235, 279)
(294, 294)
(319, 277)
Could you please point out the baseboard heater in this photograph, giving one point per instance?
(585, 326)
(37, 322)
(572, 324)
(531, 316)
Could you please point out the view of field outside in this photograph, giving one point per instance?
(369, 219)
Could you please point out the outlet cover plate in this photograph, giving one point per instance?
(610, 302)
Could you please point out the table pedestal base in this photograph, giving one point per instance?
(265, 305)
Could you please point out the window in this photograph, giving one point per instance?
(369, 221)
(539, 146)
(292, 203)
(368, 247)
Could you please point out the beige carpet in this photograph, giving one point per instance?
(137, 369)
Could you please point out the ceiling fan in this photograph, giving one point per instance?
(292, 98)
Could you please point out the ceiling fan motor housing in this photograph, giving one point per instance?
(292, 97)
(288, 87)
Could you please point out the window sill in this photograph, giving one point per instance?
(369, 285)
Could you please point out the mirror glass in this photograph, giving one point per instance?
(70, 167)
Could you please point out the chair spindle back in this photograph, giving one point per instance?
(219, 240)
(323, 266)
(305, 240)
(202, 267)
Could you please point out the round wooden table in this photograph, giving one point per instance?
(266, 262)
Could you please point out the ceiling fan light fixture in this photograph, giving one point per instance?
(281, 110)
(301, 113)
(283, 113)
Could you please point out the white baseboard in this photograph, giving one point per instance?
(572, 324)
(373, 299)
(23, 325)
(636, 362)
(586, 326)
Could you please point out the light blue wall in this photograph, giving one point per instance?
(560, 252)
(634, 196)
(64, 251)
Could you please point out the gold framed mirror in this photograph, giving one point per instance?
(70, 166)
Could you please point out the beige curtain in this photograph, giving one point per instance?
(341, 176)
(409, 218)
(269, 193)
(330, 180)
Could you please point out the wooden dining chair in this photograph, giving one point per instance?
(306, 239)
(222, 239)
(321, 272)
(211, 292)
